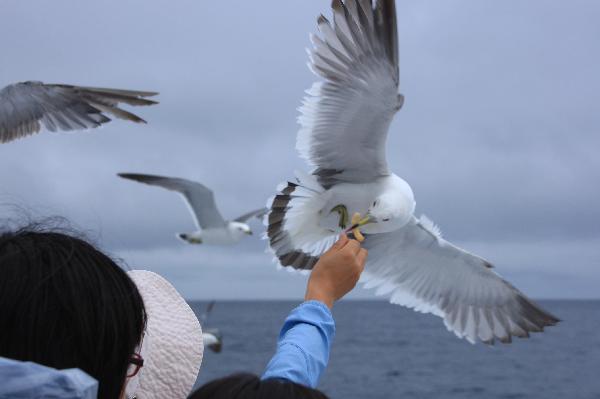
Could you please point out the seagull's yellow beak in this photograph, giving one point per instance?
(358, 221)
(365, 220)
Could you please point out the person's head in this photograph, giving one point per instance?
(250, 386)
(65, 304)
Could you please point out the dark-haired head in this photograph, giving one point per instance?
(250, 386)
(65, 304)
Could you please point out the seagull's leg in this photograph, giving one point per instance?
(343, 212)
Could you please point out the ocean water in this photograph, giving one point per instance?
(386, 351)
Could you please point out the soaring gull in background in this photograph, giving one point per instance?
(212, 337)
(25, 107)
(212, 228)
(344, 124)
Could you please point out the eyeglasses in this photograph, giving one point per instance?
(136, 363)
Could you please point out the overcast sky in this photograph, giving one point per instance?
(499, 136)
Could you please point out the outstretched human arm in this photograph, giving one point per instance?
(307, 334)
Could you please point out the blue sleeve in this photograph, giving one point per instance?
(304, 345)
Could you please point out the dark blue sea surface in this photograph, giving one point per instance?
(386, 351)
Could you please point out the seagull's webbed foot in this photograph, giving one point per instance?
(343, 212)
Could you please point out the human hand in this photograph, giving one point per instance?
(337, 271)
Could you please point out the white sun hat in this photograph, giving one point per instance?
(172, 346)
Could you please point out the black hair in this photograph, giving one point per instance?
(250, 386)
(65, 304)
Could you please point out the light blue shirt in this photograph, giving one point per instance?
(304, 345)
(31, 380)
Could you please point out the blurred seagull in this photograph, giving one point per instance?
(25, 107)
(212, 228)
(212, 338)
(344, 123)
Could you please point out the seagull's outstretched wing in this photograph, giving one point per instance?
(345, 119)
(258, 213)
(206, 314)
(199, 198)
(25, 107)
(417, 268)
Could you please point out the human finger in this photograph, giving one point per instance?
(341, 242)
(353, 246)
(362, 258)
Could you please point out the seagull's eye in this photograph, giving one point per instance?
(386, 219)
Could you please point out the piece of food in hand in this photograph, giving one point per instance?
(356, 231)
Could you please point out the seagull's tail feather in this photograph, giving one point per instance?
(293, 230)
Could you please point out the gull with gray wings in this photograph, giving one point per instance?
(212, 337)
(212, 228)
(344, 126)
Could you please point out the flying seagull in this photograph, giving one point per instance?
(26, 107)
(212, 337)
(212, 228)
(213, 340)
(344, 123)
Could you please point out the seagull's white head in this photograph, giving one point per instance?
(389, 211)
(382, 210)
(239, 229)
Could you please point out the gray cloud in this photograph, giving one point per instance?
(498, 136)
